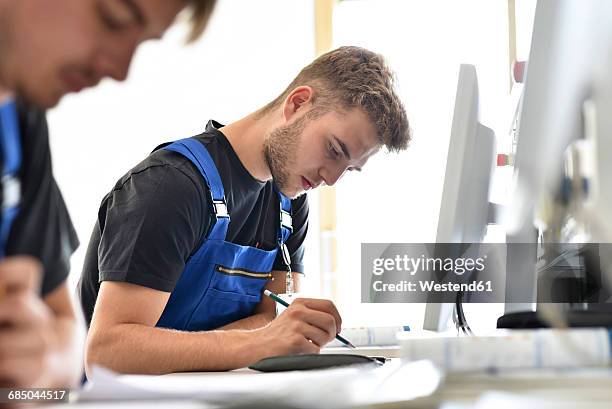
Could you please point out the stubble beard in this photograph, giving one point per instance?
(280, 152)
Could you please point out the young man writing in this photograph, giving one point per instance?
(48, 49)
(186, 241)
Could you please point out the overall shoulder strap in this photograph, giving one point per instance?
(195, 151)
(10, 144)
(286, 220)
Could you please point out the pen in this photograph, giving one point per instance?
(286, 304)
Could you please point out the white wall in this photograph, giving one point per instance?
(397, 197)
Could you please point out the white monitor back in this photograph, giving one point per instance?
(465, 196)
(571, 46)
(571, 41)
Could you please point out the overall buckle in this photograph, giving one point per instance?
(286, 220)
(11, 192)
(220, 208)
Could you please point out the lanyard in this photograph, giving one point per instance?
(289, 276)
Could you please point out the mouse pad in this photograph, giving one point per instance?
(312, 361)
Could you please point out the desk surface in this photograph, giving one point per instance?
(584, 388)
(537, 388)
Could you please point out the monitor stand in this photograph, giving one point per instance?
(575, 319)
(591, 306)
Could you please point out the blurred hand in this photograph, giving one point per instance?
(303, 328)
(26, 333)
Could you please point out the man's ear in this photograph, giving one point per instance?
(300, 99)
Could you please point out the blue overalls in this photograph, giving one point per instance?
(222, 282)
(10, 144)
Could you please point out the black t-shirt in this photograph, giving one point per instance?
(43, 228)
(159, 213)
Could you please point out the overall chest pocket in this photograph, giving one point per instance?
(232, 295)
(239, 281)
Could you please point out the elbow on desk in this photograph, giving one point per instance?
(108, 348)
(98, 347)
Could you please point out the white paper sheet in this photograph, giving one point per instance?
(331, 387)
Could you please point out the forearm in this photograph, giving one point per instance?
(258, 320)
(63, 346)
(65, 367)
(137, 348)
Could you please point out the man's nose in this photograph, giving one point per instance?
(115, 62)
(331, 176)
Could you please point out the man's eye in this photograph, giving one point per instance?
(114, 16)
(111, 22)
(334, 153)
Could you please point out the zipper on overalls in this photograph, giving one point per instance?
(238, 271)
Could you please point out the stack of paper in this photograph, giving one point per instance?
(370, 336)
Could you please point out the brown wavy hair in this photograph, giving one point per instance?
(200, 14)
(354, 77)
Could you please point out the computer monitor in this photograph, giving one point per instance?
(464, 207)
(571, 43)
(567, 98)
(569, 64)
